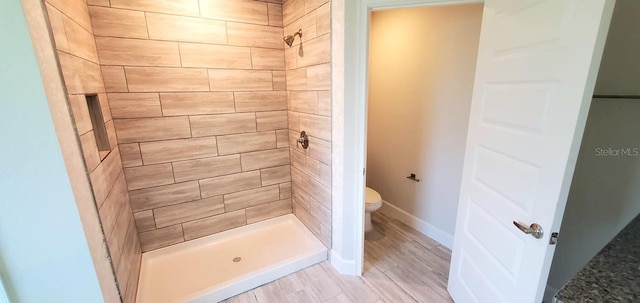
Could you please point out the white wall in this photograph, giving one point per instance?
(422, 66)
(605, 191)
(44, 255)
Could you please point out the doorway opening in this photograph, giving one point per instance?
(420, 80)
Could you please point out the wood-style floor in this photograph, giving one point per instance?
(401, 265)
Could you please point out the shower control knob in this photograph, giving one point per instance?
(303, 140)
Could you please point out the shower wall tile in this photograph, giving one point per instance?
(215, 56)
(135, 105)
(260, 101)
(189, 211)
(292, 10)
(152, 129)
(178, 150)
(245, 11)
(324, 102)
(319, 77)
(199, 105)
(311, 5)
(186, 29)
(110, 22)
(215, 224)
(161, 237)
(316, 51)
(182, 7)
(79, 63)
(185, 103)
(164, 79)
(137, 52)
(308, 26)
(206, 168)
(150, 198)
(268, 211)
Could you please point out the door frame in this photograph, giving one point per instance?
(349, 95)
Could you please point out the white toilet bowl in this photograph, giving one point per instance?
(373, 201)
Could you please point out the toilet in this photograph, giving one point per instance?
(373, 202)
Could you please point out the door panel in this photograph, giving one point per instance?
(536, 69)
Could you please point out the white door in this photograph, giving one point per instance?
(536, 70)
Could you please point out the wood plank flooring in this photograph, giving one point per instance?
(401, 265)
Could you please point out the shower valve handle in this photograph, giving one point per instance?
(303, 140)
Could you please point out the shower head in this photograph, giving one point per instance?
(288, 39)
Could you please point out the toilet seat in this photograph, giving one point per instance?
(372, 200)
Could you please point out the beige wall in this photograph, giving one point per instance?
(197, 93)
(75, 45)
(422, 65)
(309, 102)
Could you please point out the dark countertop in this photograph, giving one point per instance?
(613, 275)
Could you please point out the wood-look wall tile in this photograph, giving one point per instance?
(308, 220)
(80, 111)
(285, 190)
(166, 79)
(325, 175)
(105, 175)
(151, 129)
(321, 150)
(275, 175)
(264, 159)
(324, 103)
(215, 56)
(292, 10)
(241, 143)
(90, 151)
(300, 198)
(271, 120)
(297, 79)
(56, 21)
(180, 104)
(245, 11)
(225, 124)
(275, 14)
(279, 80)
(186, 29)
(144, 220)
(113, 206)
(111, 133)
(268, 211)
(76, 10)
(148, 176)
(181, 7)
(110, 22)
(319, 77)
(211, 225)
(321, 213)
(240, 80)
(294, 123)
(307, 24)
(123, 270)
(282, 138)
(305, 164)
(230, 183)
(178, 150)
(154, 197)
(114, 79)
(267, 58)
(303, 101)
(135, 105)
(316, 126)
(243, 34)
(310, 5)
(130, 154)
(123, 51)
(80, 76)
(206, 168)
(161, 237)
(188, 211)
(80, 41)
(260, 101)
(323, 19)
(251, 197)
(290, 57)
(316, 51)
(311, 186)
(98, 2)
(104, 106)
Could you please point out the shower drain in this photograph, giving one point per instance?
(237, 259)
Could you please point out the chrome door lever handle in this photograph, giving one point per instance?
(534, 229)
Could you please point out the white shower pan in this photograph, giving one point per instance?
(203, 270)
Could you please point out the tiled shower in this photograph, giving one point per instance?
(201, 103)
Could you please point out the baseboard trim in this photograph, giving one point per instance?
(345, 267)
(425, 228)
